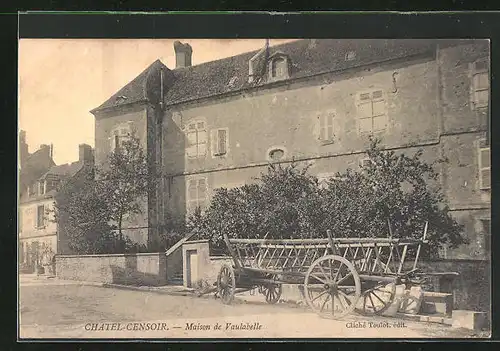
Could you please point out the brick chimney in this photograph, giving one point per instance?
(23, 148)
(86, 154)
(183, 54)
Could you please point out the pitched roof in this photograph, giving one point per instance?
(63, 172)
(35, 166)
(135, 91)
(308, 58)
(66, 170)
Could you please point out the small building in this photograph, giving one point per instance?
(39, 237)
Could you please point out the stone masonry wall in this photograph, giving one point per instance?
(130, 269)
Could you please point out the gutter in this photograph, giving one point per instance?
(279, 83)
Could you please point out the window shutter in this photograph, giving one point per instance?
(481, 66)
(377, 94)
(191, 144)
(485, 168)
(364, 96)
(222, 141)
(365, 109)
(192, 192)
(329, 128)
(322, 127)
(214, 145)
(202, 143)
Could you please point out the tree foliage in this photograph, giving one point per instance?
(126, 181)
(92, 209)
(84, 218)
(395, 196)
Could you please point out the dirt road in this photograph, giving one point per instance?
(78, 311)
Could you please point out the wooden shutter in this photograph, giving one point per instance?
(40, 216)
(191, 145)
(214, 144)
(221, 141)
(329, 125)
(202, 192)
(484, 168)
(322, 127)
(192, 194)
(202, 142)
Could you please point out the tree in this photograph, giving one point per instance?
(83, 215)
(126, 181)
(395, 196)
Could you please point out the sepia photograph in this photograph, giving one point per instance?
(254, 188)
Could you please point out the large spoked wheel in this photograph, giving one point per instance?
(376, 298)
(332, 287)
(272, 292)
(226, 284)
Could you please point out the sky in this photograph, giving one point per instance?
(61, 80)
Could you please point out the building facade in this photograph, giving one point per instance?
(219, 124)
(39, 235)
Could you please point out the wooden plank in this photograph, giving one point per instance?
(326, 241)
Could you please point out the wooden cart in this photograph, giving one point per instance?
(337, 276)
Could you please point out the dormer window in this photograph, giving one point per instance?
(32, 190)
(41, 187)
(278, 67)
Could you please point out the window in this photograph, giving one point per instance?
(41, 187)
(484, 165)
(119, 134)
(32, 190)
(443, 251)
(197, 193)
(40, 216)
(196, 139)
(486, 224)
(371, 112)
(275, 154)
(219, 142)
(350, 55)
(51, 184)
(326, 126)
(480, 84)
(279, 68)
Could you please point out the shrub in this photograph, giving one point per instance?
(395, 195)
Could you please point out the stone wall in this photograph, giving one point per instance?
(129, 269)
(471, 289)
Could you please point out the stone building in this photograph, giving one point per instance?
(220, 123)
(39, 234)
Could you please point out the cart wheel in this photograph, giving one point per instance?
(226, 284)
(332, 287)
(377, 299)
(272, 292)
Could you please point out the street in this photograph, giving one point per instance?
(52, 309)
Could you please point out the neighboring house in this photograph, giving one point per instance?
(39, 237)
(32, 166)
(220, 123)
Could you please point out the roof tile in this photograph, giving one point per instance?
(308, 58)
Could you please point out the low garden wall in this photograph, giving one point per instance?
(128, 269)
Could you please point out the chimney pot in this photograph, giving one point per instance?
(85, 153)
(23, 148)
(183, 54)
